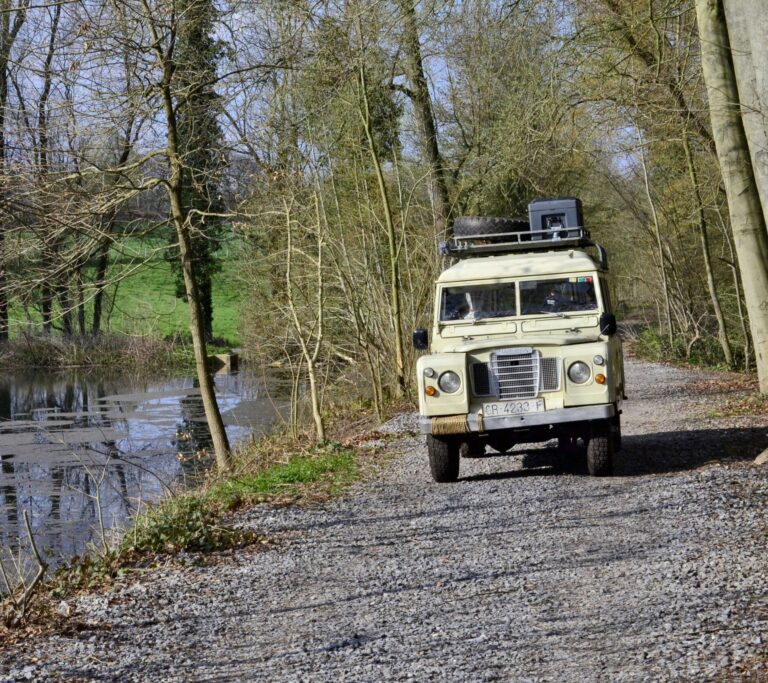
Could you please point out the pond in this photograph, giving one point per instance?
(81, 452)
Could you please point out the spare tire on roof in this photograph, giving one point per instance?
(481, 226)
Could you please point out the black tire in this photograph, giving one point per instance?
(443, 458)
(600, 455)
(480, 226)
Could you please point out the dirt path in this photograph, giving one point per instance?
(516, 573)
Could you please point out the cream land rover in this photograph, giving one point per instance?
(523, 344)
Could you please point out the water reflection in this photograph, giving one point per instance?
(82, 452)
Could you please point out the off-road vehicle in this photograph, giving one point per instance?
(523, 345)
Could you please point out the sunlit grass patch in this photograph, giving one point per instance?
(196, 521)
(334, 469)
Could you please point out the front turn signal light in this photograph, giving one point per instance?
(600, 379)
(430, 391)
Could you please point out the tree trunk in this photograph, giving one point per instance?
(722, 332)
(747, 23)
(422, 103)
(101, 278)
(394, 261)
(46, 308)
(80, 302)
(747, 220)
(316, 328)
(174, 187)
(65, 303)
(196, 326)
(657, 235)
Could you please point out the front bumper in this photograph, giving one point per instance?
(475, 422)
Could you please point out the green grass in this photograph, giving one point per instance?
(145, 300)
(194, 521)
(142, 299)
(335, 468)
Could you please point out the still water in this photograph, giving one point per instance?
(82, 452)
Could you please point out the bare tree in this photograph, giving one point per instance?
(422, 103)
(12, 18)
(161, 24)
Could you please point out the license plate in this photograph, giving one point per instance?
(534, 405)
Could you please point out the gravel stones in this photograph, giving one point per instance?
(518, 572)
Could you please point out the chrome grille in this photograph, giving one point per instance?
(515, 373)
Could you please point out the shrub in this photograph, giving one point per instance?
(188, 522)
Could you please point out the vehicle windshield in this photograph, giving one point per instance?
(561, 295)
(550, 295)
(476, 302)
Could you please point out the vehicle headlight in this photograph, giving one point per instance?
(598, 360)
(579, 372)
(449, 382)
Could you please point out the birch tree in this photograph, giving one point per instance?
(747, 219)
(747, 24)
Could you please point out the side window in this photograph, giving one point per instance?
(606, 293)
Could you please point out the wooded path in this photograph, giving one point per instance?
(518, 572)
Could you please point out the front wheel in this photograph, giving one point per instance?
(443, 458)
(600, 455)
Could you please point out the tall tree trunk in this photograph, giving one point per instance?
(3, 180)
(394, 258)
(65, 303)
(747, 220)
(659, 245)
(80, 302)
(196, 325)
(101, 279)
(174, 187)
(747, 23)
(422, 103)
(108, 226)
(722, 332)
(303, 336)
(46, 307)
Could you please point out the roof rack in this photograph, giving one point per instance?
(524, 241)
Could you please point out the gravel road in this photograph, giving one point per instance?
(516, 573)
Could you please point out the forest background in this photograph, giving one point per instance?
(295, 165)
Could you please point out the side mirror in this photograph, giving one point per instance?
(420, 339)
(608, 324)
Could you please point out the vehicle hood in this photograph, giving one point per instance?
(469, 345)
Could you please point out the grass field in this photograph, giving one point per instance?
(145, 294)
(142, 300)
